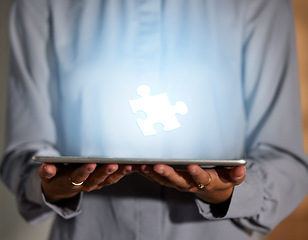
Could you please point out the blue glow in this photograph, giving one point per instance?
(192, 63)
(158, 110)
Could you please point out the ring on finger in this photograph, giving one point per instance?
(74, 183)
(201, 185)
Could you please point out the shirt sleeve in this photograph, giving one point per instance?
(277, 169)
(30, 125)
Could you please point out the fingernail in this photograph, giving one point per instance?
(90, 169)
(47, 173)
(159, 171)
(239, 174)
(238, 177)
(110, 171)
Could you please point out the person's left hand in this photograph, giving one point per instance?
(211, 185)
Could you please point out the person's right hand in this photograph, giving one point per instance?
(58, 181)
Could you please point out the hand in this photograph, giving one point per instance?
(215, 185)
(58, 182)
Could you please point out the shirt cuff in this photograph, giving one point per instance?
(67, 209)
(245, 201)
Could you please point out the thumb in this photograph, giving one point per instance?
(47, 171)
(238, 174)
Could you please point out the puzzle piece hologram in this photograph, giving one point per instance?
(158, 110)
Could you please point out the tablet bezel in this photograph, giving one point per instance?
(151, 161)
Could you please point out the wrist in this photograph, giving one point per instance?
(215, 196)
(54, 198)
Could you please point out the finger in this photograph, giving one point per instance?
(221, 178)
(206, 178)
(47, 171)
(148, 172)
(177, 179)
(99, 176)
(81, 174)
(117, 175)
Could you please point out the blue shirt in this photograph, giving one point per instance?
(75, 63)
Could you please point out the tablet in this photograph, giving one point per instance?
(101, 160)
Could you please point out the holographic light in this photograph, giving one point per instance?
(158, 110)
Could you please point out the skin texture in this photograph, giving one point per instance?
(57, 181)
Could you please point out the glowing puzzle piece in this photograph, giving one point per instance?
(158, 110)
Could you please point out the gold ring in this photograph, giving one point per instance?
(75, 184)
(201, 186)
(210, 179)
